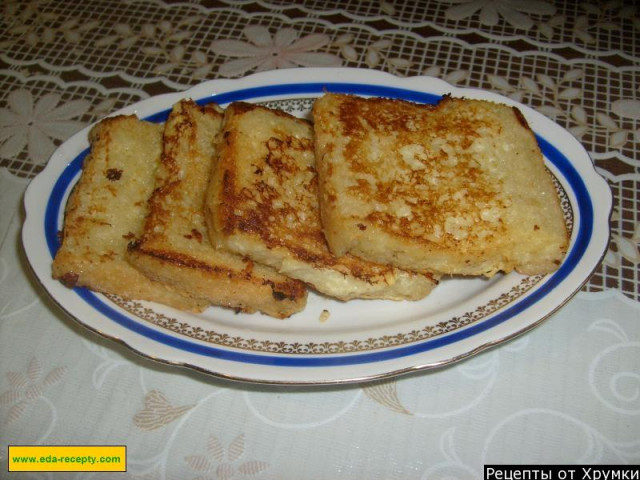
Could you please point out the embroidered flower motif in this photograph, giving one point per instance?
(548, 27)
(602, 17)
(223, 466)
(375, 54)
(492, 10)
(27, 387)
(453, 77)
(31, 24)
(165, 43)
(158, 411)
(559, 103)
(263, 52)
(628, 111)
(622, 247)
(34, 124)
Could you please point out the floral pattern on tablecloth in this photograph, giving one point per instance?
(62, 71)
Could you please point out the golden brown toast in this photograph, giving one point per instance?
(174, 247)
(263, 203)
(106, 210)
(454, 188)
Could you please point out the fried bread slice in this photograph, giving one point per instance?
(454, 188)
(107, 208)
(174, 247)
(263, 203)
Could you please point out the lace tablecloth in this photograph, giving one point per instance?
(567, 392)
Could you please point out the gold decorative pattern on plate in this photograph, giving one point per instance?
(291, 105)
(318, 348)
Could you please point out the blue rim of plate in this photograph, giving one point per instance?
(584, 208)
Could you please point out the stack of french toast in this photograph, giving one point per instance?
(249, 207)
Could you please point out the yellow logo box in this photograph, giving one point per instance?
(67, 458)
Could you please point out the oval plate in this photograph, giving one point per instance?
(362, 339)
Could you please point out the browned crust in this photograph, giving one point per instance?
(418, 176)
(221, 277)
(80, 261)
(288, 289)
(520, 117)
(359, 117)
(306, 242)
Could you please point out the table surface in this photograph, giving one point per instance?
(566, 392)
